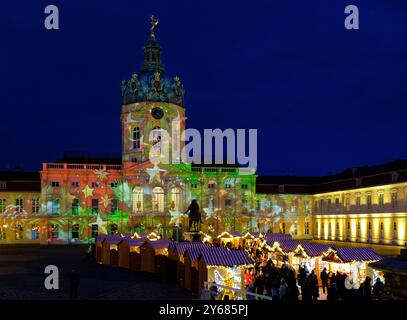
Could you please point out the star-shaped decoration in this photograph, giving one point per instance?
(87, 191)
(101, 174)
(177, 217)
(101, 224)
(105, 200)
(152, 172)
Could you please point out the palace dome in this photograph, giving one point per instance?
(152, 84)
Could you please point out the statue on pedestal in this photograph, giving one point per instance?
(194, 216)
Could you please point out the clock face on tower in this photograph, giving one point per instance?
(157, 113)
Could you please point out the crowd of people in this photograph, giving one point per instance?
(287, 284)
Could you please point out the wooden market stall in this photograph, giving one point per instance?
(98, 245)
(191, 276)
(231, 239)
(109, 254)
(354, 262)
(280, 251)
(176, 253)
(151, 253)
(129, 253)
(309, 256)
(224, 267)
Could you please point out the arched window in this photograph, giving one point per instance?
(136, 138)
(158, 199)
(175, 199)
(137, 199)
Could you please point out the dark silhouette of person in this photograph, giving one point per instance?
(324, 280)
(194, 214)
(73, 284)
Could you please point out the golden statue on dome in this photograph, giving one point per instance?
(154, 24)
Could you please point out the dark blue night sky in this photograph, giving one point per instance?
(322, 98)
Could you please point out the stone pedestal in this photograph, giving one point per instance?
(192, 236)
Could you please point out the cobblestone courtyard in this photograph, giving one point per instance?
(22, 276)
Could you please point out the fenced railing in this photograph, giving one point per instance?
(240, 293)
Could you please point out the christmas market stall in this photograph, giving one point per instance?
(129, 253)
(191, 276)
(150, 236)
(272, 237)
(176, 253)
(109, 249)
(309, 256)
(230, 239)
(279, 251)
(98, 245)
(351, 261)
(224, 267)
(151, 253)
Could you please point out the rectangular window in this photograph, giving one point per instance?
(347, 203)
(228, 203)
(56, 206)
(75, 206)
(35, 205)
(329, 205)
(55, 184)
(95, 206)
(94, 231)
(3, 185)
(211, 186)
(3, 235)
(369, 201)
(53, 231)
(306, 228)
(395, 230)
(114, 205)
(283, 227)
(336, 204)
(357, 202)
(245, 186)
(228, 186)
(381, 230)
(315, 205)
(35, 231)
(394, 200)
(194, 185)
(75, 231)
(75, 184)
(3, 205)
(381, 200)
(95, 185)
(258, 206)
(19, 205)
(19, 232)
(321, 205)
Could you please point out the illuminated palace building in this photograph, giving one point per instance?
(77, 198)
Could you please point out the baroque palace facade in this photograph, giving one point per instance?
(77, 198)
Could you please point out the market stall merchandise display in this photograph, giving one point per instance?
(224, 267)
(352, 261)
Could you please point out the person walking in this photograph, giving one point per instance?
(73, 284)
